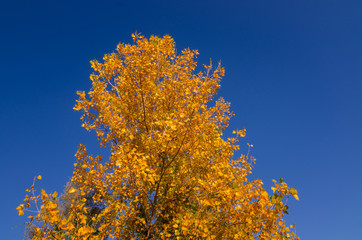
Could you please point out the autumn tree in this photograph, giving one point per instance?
(170, 174)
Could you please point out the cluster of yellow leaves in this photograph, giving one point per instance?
(170, 174)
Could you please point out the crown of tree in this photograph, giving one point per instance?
(170, 174)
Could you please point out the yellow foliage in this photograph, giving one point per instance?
(170, 174)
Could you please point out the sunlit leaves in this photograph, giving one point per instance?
(169, 174)
(294, 193)
(20, 209)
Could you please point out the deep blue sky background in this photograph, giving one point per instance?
(293, 77)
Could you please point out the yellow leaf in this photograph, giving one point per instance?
(294, 193)
(72, 190)
(39, 177)
(241, 133)
(296, 196)
(20, 209)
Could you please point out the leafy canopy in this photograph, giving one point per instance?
(170, 174)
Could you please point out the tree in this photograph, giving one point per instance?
(170, 174)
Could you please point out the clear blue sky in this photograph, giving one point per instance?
(293, 77)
